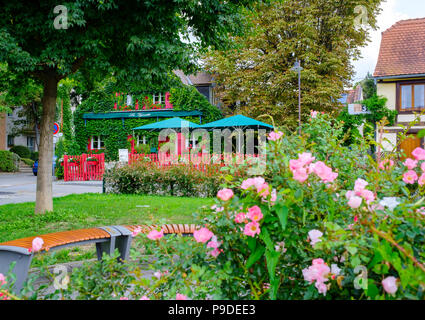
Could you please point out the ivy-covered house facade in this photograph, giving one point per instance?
(104, 122)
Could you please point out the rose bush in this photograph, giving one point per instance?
(324, 221)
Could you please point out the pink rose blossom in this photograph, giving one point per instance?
(410, 177)
(386, 164)
(217, 209)
(2, 279)
(300, 175)
(37, 244)
(419, 154)
(263, 190)
(306, 158)
(273, 136)
(313, 113)
(318, 272)
(136, 231)
(421, 180)
(410, 163)
(251, 229)
(202, 235)
(295, 164)
(225, 194)
(215, 252)
(390, 285)
(240, 217)
(124, 298)
(355, 202)
(254, 213)
(273, 196)
(180, 296)
(280, 247)
(144, 298)
(247, 183)
(323, 171)
(155, 234)
(423, 166)
(315, 236)
(360, 185)
(368, 196)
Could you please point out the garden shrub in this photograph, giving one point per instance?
(325, 221)
(9, 162)
(34, 155)
(28, 162)
(21, 151)
(147, 179)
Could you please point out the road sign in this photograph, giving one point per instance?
(123, 155)
(55, 128)
(357, 108)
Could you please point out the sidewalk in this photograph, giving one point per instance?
(21, 187)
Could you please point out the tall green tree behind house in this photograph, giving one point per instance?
(256, 77)
(139, 40)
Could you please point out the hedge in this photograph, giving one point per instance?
(178, 180)
(21, 151)
(9, 161)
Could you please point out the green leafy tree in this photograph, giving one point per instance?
(369, 86)
(256, 77)
(139, 40)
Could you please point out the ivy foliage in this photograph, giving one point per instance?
(376, 105)
(115, 132)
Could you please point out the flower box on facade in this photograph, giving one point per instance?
(73, 164)
(92, 162)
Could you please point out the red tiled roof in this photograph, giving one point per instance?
(402, 49)
(355, 95)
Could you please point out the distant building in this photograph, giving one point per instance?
(400, 77)
(17, 130)
(203, 82)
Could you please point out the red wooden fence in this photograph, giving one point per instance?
(78, 168)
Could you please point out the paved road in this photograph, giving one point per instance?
(21, 187)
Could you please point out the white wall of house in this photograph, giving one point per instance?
(28, 140)
(389, 137)
(388, 90)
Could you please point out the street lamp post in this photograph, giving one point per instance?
(297, 68)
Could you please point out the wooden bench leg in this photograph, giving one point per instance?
(22, 257)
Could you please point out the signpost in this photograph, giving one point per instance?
(123, 155)
(356, 108)
(56, 133)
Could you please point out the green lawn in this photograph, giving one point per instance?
(95, 210)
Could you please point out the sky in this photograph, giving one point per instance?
(392, 11)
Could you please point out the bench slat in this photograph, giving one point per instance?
(56, 239)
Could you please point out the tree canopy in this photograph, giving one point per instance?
(256, 77)
(133, 39)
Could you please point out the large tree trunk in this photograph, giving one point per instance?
(44, 199)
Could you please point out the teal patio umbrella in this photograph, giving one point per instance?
(173, 123)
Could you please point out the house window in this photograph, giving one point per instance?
(97, 142)
(412, 97)
(31, 143)
(158, 98)
(141, 140)
(10, 141)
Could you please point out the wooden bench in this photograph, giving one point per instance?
(182, 229)
(107, 239)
